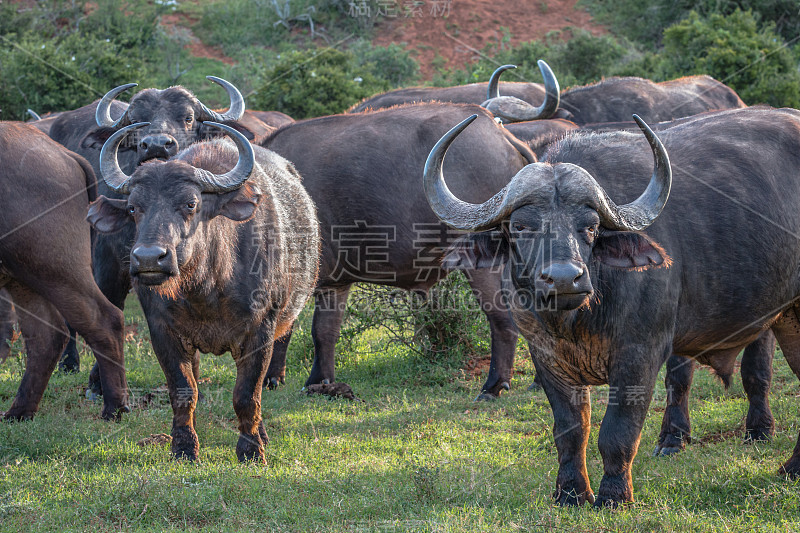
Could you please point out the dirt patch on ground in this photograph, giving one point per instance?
(451, 33)
(477, 367)
(178, 24)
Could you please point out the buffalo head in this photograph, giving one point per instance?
(512, 109)
(176, 119)
(171, 204)
(554, 221)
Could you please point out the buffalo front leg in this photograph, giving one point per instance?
(177, 362)
(675, 425)
(630, 392)
(487, 286)
(45, 335)
(276, 372)
(251, 368)
(572, 421)
(757, 378)
(329, 307)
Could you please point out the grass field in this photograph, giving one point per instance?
(416, 455)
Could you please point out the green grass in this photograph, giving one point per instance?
(416, 455)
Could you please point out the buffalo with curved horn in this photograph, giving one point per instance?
(513, 109)
(200, 229)
(177, 119)
(602, 302)
(473, 93)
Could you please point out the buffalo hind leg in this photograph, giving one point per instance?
(787, 331)
(329, 307)
(487, 288)
(251, 368)
(675, 426)
(276, 373)
(757, 377)
(45, 335)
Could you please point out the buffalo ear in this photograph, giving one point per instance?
(629, 250)
(239, 205)
(108, 215)
(476, 250)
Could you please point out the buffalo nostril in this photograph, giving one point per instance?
(143, 145)
(544, 278)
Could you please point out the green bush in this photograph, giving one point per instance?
(315, 82)
(576, 56)
(644, 21)
(732, 49)
(59, 73)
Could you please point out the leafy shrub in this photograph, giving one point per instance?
(390, 63)
(316, 82)
(60, 73)
(446, 321)
(576, 56)
(644, 21)
(732, 49)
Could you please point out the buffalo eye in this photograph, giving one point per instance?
(131, 210)
(189, 119)
(191, 206)
(518, 226)
(592, 231)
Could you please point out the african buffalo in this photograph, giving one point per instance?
(177, 119)
(362, 171)
(42, 123)
(756, 370)
(46, 265)
(473, 93)
(225, 256)
(615, 99)
(601, 302)
(274, 119)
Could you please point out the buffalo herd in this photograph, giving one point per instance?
(617, 226)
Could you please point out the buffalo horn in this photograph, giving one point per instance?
(234, 178)
(102, 114)
(235, 110)
(109, 164)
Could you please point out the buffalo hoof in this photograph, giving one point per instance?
(661, 451)
(791, 468)
(491, 394)
(572, 498)
(70, 363)
(485, 396)
(113, 413)
(613, 494)
(273, 382)
(758, 435)
(92, 396)
(17, 416)
(185, 445)
(250, 449)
